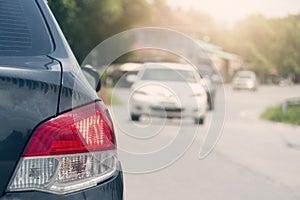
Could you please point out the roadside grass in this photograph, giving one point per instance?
(291, 115)
(108, 97)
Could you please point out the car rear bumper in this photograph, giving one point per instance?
(112, 189)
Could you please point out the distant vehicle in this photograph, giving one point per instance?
(210, 89)
(118, 74)
(285, 82)
(211, 79)
(245, 80)
(168, 90)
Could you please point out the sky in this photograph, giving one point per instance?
(231, 11)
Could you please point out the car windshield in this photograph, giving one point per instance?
(160, 74)
(244, 75)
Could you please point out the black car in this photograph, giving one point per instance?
(56, 137)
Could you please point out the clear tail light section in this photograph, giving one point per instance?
(71, 152)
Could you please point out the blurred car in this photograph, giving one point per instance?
(245, 80)
(210, 89)
(168, 90)
(57, 140)
(211, 80)
(118, 73)
(285, 82)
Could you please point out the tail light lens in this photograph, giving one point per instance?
(71, 152)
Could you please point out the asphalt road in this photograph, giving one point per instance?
(254, 159)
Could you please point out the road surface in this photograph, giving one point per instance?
(254, 159)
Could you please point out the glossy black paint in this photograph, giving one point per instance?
(76, 90)
(29, 94)
(92, 76)
(34, 89)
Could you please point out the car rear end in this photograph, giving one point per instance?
(56, 137)
(245, 80)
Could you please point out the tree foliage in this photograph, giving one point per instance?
(86, 23)
(266, 45)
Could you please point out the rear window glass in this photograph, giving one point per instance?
(23, 31)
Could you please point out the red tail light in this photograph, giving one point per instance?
(87, 129)
(77, 148)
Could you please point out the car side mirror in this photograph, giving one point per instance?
(131, 78)
(92, 77)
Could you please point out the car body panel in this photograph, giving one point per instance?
(76, 90)
(27, 97)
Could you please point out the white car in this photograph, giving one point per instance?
(168, 90)
(245, 80)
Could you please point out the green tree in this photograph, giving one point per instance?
(86, 23)
(287, 54)
(266, 45)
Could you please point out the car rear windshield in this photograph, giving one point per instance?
(23, 31)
